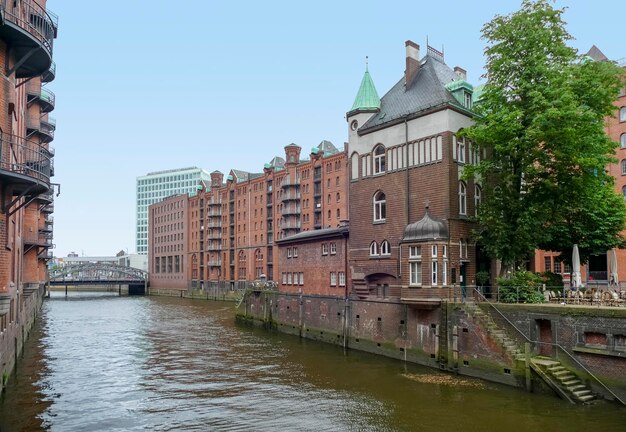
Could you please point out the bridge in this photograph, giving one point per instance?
(100, 274)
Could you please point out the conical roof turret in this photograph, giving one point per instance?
(367, 97)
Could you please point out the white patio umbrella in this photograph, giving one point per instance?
(576, 278)
(613, 267)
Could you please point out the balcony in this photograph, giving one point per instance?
(291, 210)
(215, 263)
(48, 208)
(291, 224)
(214, 248)
(46, 228)
(26, 165)
(43, 128)
(44, 97)
(30, 30)
(292, 195)
(50, 74)
(45, 255)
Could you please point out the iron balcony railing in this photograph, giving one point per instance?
(48, 98)
(291, 210)
(291, 224)
(48, 208)
(50, 74)
(37, 21)
(215, 263)
(292, 195)
(45, 255)
(21, 156)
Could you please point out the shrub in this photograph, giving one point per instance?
(552, 280)
(522, 287)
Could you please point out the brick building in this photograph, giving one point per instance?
(315, 262)
(27, 33)
(235, 219)
(409, 205)
(170, 263)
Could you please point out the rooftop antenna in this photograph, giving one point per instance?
(366, 63)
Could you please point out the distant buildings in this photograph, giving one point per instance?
(155, 186)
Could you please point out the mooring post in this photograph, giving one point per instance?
(527, 366)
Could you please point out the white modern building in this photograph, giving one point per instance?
(155, 186)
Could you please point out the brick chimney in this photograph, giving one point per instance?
(412, 62)
(462, 73)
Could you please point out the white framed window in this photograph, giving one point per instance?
(623, 166)
(333, 279)
(288, 252)
(380, 207)
(288, 278)
(342, 279)
(385, 248)
(624, 192)
(373, 249)
(379, 159)
(444, 251)
(295, 252)
(295, 278)
(478, 193)
(460, 150)
(415, 270)
(468, 99)
(333, 248)
(444, 272)
(462, 198)
(622, 114)
(301, 278)
(433, 251)
(415, 252)
(434, 272)
(284, 278)
(622, 140)
(324, 248)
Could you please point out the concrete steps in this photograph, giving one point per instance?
(565, 382)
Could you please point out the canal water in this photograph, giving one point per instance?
(108, 363)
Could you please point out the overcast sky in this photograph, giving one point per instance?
(151, 85)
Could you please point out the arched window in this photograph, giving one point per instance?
(477, 197)
(462, 198)
(373, 249)
(622, 114)
(380, 207)
(385, 248)
(622, 140)
(623, 166)
(624, 192)
(379, 159)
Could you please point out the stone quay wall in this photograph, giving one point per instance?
(16, 333)
(448, 337)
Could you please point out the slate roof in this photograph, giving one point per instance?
(427, 228)
(427, 90)
(595, 53)
(315, 234)
(326, 147)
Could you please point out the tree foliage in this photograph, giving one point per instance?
(541, 123)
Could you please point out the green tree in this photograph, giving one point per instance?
(541, 123)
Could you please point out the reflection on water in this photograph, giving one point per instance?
(103, 362)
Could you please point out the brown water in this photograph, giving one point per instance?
(107, 363)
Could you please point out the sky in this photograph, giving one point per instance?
(144, 86)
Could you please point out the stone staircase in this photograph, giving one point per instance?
(562, 380)
(509, 345)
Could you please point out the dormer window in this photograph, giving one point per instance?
(467, 99)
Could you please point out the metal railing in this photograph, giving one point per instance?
(50, 73)
(28, 15)
(47, 96)
(557, 346)
(21, 156)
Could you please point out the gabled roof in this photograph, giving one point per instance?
(427, 90)
(597, 55)
(367, 96)
(277, 163)
(327, 148)
(240, 175)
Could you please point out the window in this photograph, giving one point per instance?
(373, 249)
(385, 249)
(624, 192)
(288, 252)
(333, 279)
(342, 279)
(301, 278)
(557, 266)
(380, 207)
(324, 248)
(284, 278)
(622, 114)
(468, 99)
(415, 251)
(295, 252)
(444, 272)
(333, 248)
(434, 251)
(379, 159)
(548, 263)
(623, 166)
(460, 150)
(415, 268)
(288, 278)
(477, 197)
(622, 140)
(434, 272)
(462, 198)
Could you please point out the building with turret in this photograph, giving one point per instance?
(410, 206)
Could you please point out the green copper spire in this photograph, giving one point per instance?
(367, 97)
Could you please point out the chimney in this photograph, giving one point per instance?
(412, 62)
(462, 73)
